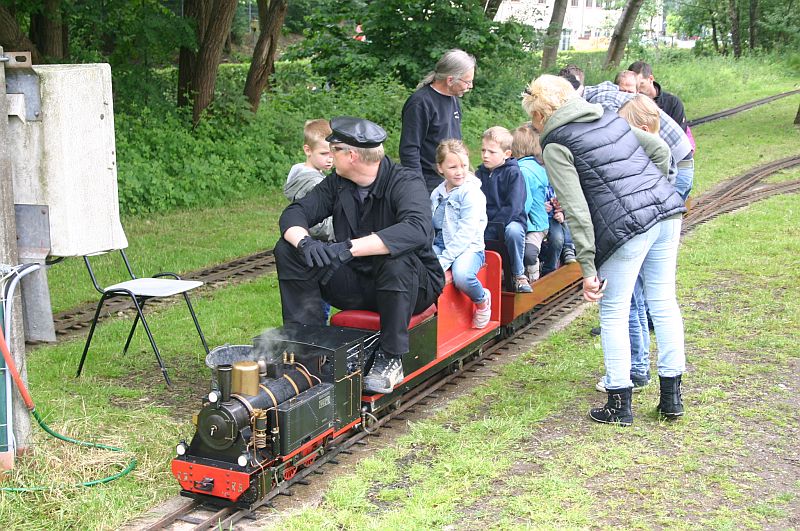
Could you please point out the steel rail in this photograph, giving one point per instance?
(740, 108)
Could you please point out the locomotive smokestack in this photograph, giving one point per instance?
(224, 376)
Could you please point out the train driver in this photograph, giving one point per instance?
(382, 258)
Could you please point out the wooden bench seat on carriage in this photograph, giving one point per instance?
(442, 329)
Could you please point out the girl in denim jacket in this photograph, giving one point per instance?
(459, 219)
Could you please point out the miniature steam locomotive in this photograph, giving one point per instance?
(275, 406)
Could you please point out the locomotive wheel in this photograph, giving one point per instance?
(289, 472)
(455, 366)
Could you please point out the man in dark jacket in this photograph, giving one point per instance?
(382, 259)
(673, 106)
(433, 113)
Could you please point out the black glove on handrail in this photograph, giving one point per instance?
(314, 252)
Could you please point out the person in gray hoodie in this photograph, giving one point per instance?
(304, 176)
(625, 217)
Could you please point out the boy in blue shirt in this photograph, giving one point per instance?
(525, 149)
(505, 190)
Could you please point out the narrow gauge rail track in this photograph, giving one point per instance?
(204, 517)
(739, 192)
(740, 108)
(734, 193)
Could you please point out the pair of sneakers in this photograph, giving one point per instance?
(482, 315)
(385, 374)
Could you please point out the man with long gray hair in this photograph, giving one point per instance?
(433, 113)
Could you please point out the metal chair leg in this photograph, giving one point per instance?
(152, 341)
(196, 323)
(130, 335)
(91, 333)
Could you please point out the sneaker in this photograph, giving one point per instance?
(523, 286)
(482, 315)
(385, 373)
(568, 256)
(532, 272)
(638, 385)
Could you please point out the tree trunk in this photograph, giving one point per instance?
(12, 38)
(553, 35)
(271, 14)
(47, 30)
(733, 13)
(490, 8)
(753, 22)
(197, 11)
(619, 39)
(797, 118)
(204, 71)
(714, 32)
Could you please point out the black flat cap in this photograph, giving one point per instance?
(356, 132)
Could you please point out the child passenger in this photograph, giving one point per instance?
(525, 149)
(459, 219)
(304, 176)
(504, 187)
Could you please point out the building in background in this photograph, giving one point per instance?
(588, 24)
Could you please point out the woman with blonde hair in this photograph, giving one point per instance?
(625, 217)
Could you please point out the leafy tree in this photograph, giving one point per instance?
(405, 39)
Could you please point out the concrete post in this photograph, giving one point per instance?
(8, 255)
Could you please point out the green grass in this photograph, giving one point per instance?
(519, 452)
(438, 473)
(732, 146)
(123, 401)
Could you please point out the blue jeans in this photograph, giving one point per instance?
(684, 179)
(558, 237)
(639, 333)
(465, 269)
(654, 253)
(515, 243)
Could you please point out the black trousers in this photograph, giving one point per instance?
(398, 288)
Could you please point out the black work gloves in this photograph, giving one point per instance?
(338, 253)
(327, 257)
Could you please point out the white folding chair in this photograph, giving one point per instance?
(141, 290)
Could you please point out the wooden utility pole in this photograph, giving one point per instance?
(8, 256)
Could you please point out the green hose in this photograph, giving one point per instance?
(46, 428)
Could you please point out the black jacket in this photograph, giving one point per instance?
(397, 208)
(670, 104)
(428, 118)
(625, 192)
